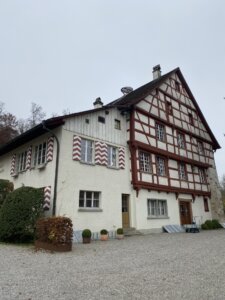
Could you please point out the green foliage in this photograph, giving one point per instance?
(211, 224)
(119, 231)
(86, 233)
(5, 188)
(104, 232)
(19, 213)
(54, 230)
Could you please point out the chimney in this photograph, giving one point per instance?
(156, 72)
(98, 103)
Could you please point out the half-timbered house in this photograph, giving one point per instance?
(144, 160)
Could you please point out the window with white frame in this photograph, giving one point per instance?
(86, 151)
(182, 171)
(161, 166)
(160, 132)
(202, 175)
(40, 154)
(145, 162)
(157, 208)
(21, 161)
(180, 140)
(112, 156)
(89, 199)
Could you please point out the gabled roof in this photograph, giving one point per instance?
(126, 102)
(129, 100)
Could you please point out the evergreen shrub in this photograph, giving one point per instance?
(19, 213)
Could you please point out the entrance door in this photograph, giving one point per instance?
(185, 212)
(125, 211)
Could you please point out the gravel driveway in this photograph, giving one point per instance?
(157, 266)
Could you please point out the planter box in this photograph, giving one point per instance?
(52, 247)
(104, 237)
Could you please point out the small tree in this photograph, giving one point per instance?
(19, 213)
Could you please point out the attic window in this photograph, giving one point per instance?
(101, 119)
(87, 121)
(177, 86)
(169, 109)
(191, 120)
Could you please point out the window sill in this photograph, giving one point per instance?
(114, 168)
(156, 218)
(91, 209)
(87, 163)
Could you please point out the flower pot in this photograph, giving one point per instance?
(86, 240)
(104, 237)
(119, 236)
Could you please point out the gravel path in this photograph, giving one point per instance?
(157, 266)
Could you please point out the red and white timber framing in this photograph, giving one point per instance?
(76, 147)
(50, 148)
(47, 197)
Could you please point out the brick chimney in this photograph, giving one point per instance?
(156, 72)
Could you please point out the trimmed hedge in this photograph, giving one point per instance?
(54, 230)
(19, 213)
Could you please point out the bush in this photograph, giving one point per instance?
(211, 224)
(119, 231)
(19, 213)
(216, 224)
(86, 233)
(5, 188)
(104, 232)
(54, 230)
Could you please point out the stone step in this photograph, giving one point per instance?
(131, 231)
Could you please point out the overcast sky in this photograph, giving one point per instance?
(62, 54)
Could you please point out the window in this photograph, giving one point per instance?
(206, 204)
(117, 124)
(161, 166)
(145, 163)
(157, 208)
(101, 119)
(177, 86)
(86, 151)
(89, 199)
(182, 171)
(200, 147)
(169, 109)
(87, 121)
(180, 140)
(40, 154)
(112, 156)
(21, 162)
(202, 175)
(160, 132)
(191, 120)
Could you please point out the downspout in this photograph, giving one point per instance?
(56, 168)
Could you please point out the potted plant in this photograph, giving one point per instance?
(86, 235)
(119, 233)
(104, 235)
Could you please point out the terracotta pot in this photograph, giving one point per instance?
(104, 237)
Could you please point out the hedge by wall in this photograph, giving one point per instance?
(5, 188)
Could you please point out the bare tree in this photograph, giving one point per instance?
(37, 115)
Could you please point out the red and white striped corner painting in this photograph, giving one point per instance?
(13, 165)
(50, 148)
(101, 153)
(28, 160)
(76, 147)
(121, 158)
(47, 197)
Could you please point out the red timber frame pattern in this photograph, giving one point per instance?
(154, 109)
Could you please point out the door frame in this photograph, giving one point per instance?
(189, 201)
(128, 207)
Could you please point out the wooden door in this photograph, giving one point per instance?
(185, 212)
(125, 211)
